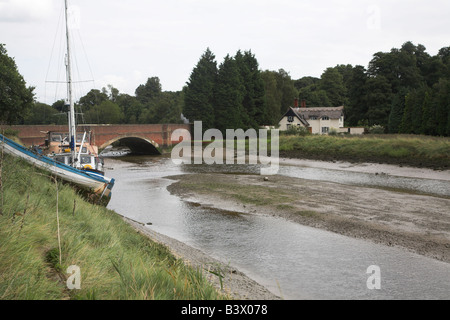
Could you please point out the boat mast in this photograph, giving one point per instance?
(72, 124)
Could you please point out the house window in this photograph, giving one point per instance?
(290, 119)
(289, 126)
(325, 118)
(313, 118)
(325, 130)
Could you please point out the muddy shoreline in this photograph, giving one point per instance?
(434, 164)
(234, 284)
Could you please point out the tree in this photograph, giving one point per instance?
(306, 82)
(272, 97)
(441, 101)
(444, 55)
(228, 96)
(397, 110)
(16, 98)
(111, 92)
(288, 92)
(379, 100)
(280, 94)
(357, 96)
(131, 108)
(332, 82)
(401, 67)
(199, 95)
(254, 103)
(150, 92)
(41, 113)
(172, 114)
(166, 110)
(314, 97)
(91, 99)
(106, 113)
(428, 115)
(407, 121)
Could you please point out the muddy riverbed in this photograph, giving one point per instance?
(415, 222)
(400, 220)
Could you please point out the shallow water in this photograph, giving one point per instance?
(291, 260)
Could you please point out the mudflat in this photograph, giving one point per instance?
(415, 222)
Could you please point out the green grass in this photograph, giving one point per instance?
(116, 262)
(406, 149)
(413, 150)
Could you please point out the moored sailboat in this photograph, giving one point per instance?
(71, 158)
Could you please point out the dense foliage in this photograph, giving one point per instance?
(405, 90)
(15, 97)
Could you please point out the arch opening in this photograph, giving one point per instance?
(137, 146)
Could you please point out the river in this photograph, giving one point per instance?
(291, 260)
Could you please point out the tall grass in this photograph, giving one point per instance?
(116, 262)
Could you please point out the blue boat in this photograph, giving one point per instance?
(95, 184)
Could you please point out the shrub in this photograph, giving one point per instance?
(297, 131)
(377, 129)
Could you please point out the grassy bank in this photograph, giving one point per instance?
(116, 262)
(408, 150)
(419, 151)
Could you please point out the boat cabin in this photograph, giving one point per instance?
(57, 142)
(58, 147)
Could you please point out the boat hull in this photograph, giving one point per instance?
(93, 183)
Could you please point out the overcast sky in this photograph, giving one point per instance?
(123, 43)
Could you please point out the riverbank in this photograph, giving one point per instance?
(226, 279)
(414, 222)
(403, 150)
(46, 227)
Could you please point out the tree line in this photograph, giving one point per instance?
(405, 90)
(108, 106)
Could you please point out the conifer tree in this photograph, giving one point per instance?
(396, 115)
(198, 99)
(228, 96)
(254, 103)
(406, 126)
(428, 116)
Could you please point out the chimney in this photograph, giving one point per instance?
(303, 103)
(296, 103)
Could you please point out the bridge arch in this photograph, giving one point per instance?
(137, 145)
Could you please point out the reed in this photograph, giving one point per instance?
(116, 262)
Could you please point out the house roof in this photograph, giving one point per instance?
(293, 113)
(307, 113)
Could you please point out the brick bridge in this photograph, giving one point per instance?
(141, 139)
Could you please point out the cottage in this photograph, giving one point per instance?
(317, 120)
